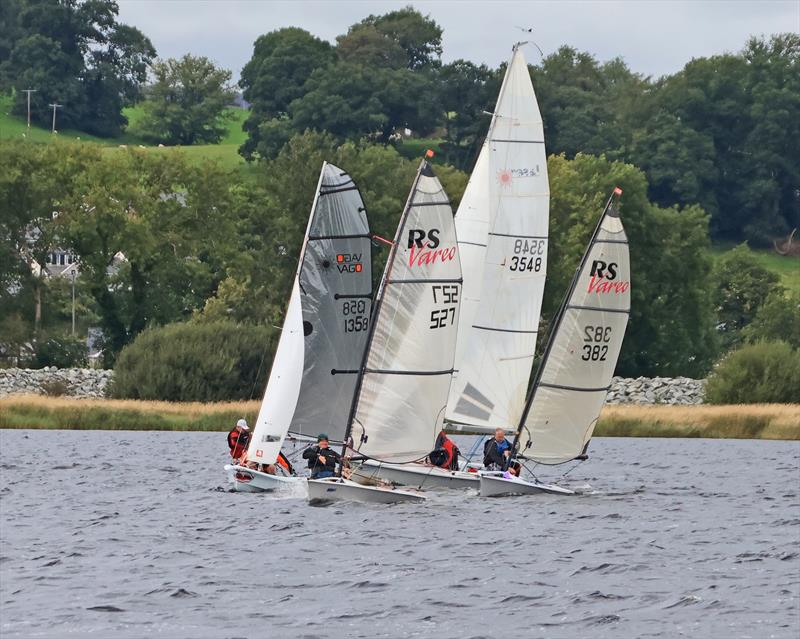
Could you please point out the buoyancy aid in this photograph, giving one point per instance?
(282, 461)
(237, 442)
(450, 460)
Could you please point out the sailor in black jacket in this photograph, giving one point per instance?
(497, 451)
(321, 458)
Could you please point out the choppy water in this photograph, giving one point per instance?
(109, 534)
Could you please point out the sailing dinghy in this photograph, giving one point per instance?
(502, 228)
(314, 372)
(578, 363)
(403, 379)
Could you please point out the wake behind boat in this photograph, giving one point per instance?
(323, 336)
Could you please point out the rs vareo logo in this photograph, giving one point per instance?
(604, 279)
(424, 248)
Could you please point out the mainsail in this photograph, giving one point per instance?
(502, 226)
(582, 352)
(405, 374)
(316, 364)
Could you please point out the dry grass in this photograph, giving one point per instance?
(743, 421)
(34, 411)
(751, 421)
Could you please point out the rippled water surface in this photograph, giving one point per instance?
(123, 534)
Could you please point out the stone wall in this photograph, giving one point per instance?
(657, 390)
(90, 382)
(72, 382)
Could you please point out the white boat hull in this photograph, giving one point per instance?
(247, 480)
(417, 475)
(338, 489)
(495, 485)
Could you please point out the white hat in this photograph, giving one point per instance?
(242, 423)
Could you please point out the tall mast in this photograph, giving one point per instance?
(558, 319)
(373, 320)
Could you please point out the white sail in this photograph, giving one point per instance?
(582, 354)
(509, 197)
(283, 387)
(314, 372)
(406, 375)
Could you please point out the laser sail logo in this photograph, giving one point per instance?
(424, 248)
(349, 262)
(603, 276)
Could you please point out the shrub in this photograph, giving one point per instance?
(62, 351)
(765, 372)
(196, 362)
(54, 387)
(778, 318)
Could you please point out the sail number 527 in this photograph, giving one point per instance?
(595, 346)
(528, 255)
(444, 294)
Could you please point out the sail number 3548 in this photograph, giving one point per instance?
(528, 255)
(595, 346)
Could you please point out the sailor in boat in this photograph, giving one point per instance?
(445, 453)
(238, 439)
(322, 460)
(497, 451)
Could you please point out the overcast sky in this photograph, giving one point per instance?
(655, 37)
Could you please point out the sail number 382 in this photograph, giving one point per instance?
(595, 343)
(528, 255)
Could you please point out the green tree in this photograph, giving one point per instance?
(671, 326)
(139, 224)
(765, 372)
(777, 319)
(282, 61)
(467, 92)
(77, 54)
(741, 285)
(187, 102)
(419, 36)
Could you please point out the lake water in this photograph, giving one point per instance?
(123, 534)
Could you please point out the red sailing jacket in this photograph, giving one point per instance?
(237, 442)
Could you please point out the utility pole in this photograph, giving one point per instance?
(73, 300)
(29, 91)
(54, 107)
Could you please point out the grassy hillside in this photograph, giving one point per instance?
(226, 152)
(788, 268)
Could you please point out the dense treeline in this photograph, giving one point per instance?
(163, 240)
(719, 133)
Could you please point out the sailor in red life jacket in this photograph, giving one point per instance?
(238, 439)
(445, 453)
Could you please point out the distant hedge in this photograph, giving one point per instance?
(765, 372)
(196, 362)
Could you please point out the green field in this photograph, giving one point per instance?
(788, 268)
(226, 152)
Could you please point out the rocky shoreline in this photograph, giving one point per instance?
(93, 383)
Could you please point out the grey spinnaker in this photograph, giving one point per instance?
(335, 282)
